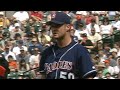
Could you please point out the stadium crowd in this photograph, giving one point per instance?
(25, 35)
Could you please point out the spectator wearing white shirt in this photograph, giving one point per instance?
(99, 75)
(117, 46)
(16, 29)
(80, 30)
(118, 62)
(116, 23)
(35, 58)
(20, 45)
(108, 68)
(111, 14)
(93, 25)
(7, 52)
(113, 63)
(118, 65)
(12, 25)
(106, 28)
(21, 16)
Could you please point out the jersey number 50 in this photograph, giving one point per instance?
(66, 75)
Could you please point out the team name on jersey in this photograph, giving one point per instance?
(50, 67)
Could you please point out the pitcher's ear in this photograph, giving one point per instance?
(68, 27)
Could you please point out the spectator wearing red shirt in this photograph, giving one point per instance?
(37, 15)
(4, 70)
(89, 17)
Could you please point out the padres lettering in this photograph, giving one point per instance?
(58, 65)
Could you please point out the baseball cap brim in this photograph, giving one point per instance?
(54, 22)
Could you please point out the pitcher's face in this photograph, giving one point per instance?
(58, 31)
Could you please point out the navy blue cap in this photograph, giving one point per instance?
(60, 18)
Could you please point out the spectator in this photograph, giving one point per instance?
(15, 31)
(108, 68)
(89, 17)
(106, 28)
(23, 69)
(29, 24)
(111, 15)
(21, 16)
(27, 39)
(99, 75)
(94, 37)
(32, 30)
(80, 30)
(20, 45)
(38, 75)
(10, 43)
(44, 38)
(116, 23)
(93, 25)
(35, 58)
(112, 61)
(117, 46)
(4, 67)
(79, 19)
(17, 37)
(23, 66)
(51, 15)
(108, 76)
(36, 15)
(12, 63)
(7, 52)
(2, 72)
(102, 56)
(34, 44)
(73, 34)
(12, 25)
(118, 65)
(86, 42)
(107, 48)
(2, 44)
(3, 20)
(113, 52)
(23, 55)
(100, 66)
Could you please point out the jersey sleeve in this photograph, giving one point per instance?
(44, 55)
(42, 62)
(85, 65)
